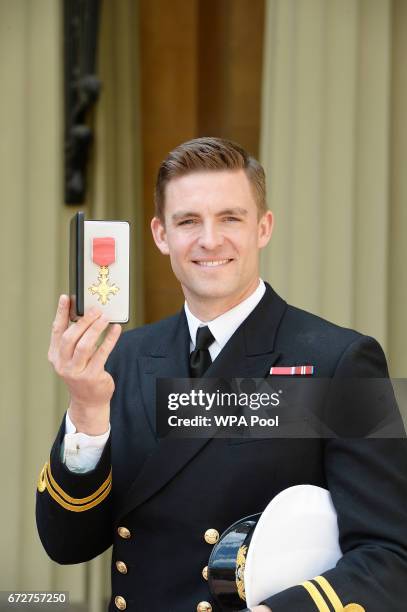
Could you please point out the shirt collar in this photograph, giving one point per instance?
(224, 326)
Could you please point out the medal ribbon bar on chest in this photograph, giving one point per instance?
(300, 370)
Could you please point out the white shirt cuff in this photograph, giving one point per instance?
(81, 452)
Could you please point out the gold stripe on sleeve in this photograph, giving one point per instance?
(330, 593)
(76, 508)
(46, 481)
(78, 500)
(316, 596)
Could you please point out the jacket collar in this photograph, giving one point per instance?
(259, 329)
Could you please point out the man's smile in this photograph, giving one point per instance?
(211, 263)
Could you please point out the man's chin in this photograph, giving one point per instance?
(211, 291)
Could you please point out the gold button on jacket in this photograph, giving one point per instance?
(354, 607)
(121, 567)
(123, 532)
(120, 602)
(205, 572)
(211, 536)
(204, 606)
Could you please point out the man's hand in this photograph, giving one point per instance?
(260, 609)
(80, 363)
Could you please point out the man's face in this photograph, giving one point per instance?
(212, 234)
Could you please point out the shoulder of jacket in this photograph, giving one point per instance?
(305, 323)
(310, 338)
(320, 340)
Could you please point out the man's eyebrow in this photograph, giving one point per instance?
(233, 211)
(184, 213)
(226, 211)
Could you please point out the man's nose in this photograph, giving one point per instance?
(210, 236)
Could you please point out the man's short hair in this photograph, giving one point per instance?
(209, 153)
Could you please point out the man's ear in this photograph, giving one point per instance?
(159, 235)
(265, 229)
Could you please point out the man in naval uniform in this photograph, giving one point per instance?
(163, 503)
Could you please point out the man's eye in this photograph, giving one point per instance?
(231, 219)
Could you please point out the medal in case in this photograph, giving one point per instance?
(99, 267)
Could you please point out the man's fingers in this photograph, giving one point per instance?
(76, 331)
(86, 345)
(100, 356)
(59, 325)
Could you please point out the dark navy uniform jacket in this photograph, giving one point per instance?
(154, 499)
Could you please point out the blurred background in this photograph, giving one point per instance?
(94, 93)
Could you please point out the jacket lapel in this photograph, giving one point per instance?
(167, 358)
(249, 353)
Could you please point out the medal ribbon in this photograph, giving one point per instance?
(103, 251)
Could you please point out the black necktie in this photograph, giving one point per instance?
(200, 359)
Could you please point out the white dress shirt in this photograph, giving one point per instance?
(224, 326)
(81, 452)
